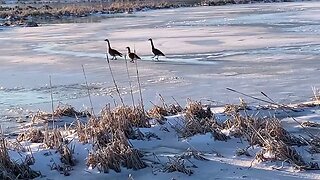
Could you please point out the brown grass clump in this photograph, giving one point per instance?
(193, 153)
(67, 159)
(33, 135)
(274, 130)
(158, 113)
(134, 115)
(315, 145)
(257, 129)
(174, 109)
(102, 129)
(276, 142)
(10, 170)
(69, 111)
(66, 155)
(53, 139)
(62, 110)
(283, 152)
(196, 110)
(110, 133)
(177, 164)
(233, 108)
(310, 124)
(115, 154)
(200, 121)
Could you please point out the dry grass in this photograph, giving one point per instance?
(10, 170)
(32, 135)
(283, 152)
(233, 108)
(62, 110)
(195, 154)
(199, 120)
(196, 110)
(134, 116)
(257, 129)
(310, 124)
(177, 164)
(224, 2)
(53, 139)
(109, 134)
(115, 154)
(19, 14)
(276, 142)
(158, 113)
(102, 129)
(67, 155)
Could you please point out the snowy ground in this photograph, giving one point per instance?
(223, 163)
(259, 47)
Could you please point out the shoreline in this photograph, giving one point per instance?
(31, 15)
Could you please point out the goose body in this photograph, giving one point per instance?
(132, 56)
(156, 52)
(114, 53)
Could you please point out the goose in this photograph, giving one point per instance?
(155, 51)
(114, 53)
(132, 56)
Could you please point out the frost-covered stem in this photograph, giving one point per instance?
(51, 96)
(89, 96)
(138, 78)
(131, 92)
(303, 127)
(114, 81)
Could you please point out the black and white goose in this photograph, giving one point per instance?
(155, 51)
(132, 56)
(114, 53)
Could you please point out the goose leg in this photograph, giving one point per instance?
(115, 57)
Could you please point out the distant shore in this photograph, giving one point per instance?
(31, 14)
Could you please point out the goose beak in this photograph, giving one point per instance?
(106, 40)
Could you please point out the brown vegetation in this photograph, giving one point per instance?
(29, 15)
(10, 169)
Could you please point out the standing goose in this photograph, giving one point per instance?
(132, 56)
(155, 51)
(114, 53)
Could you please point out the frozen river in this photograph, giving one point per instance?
(274, 48)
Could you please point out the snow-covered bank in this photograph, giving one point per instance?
(198, 156)
(272, 48)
